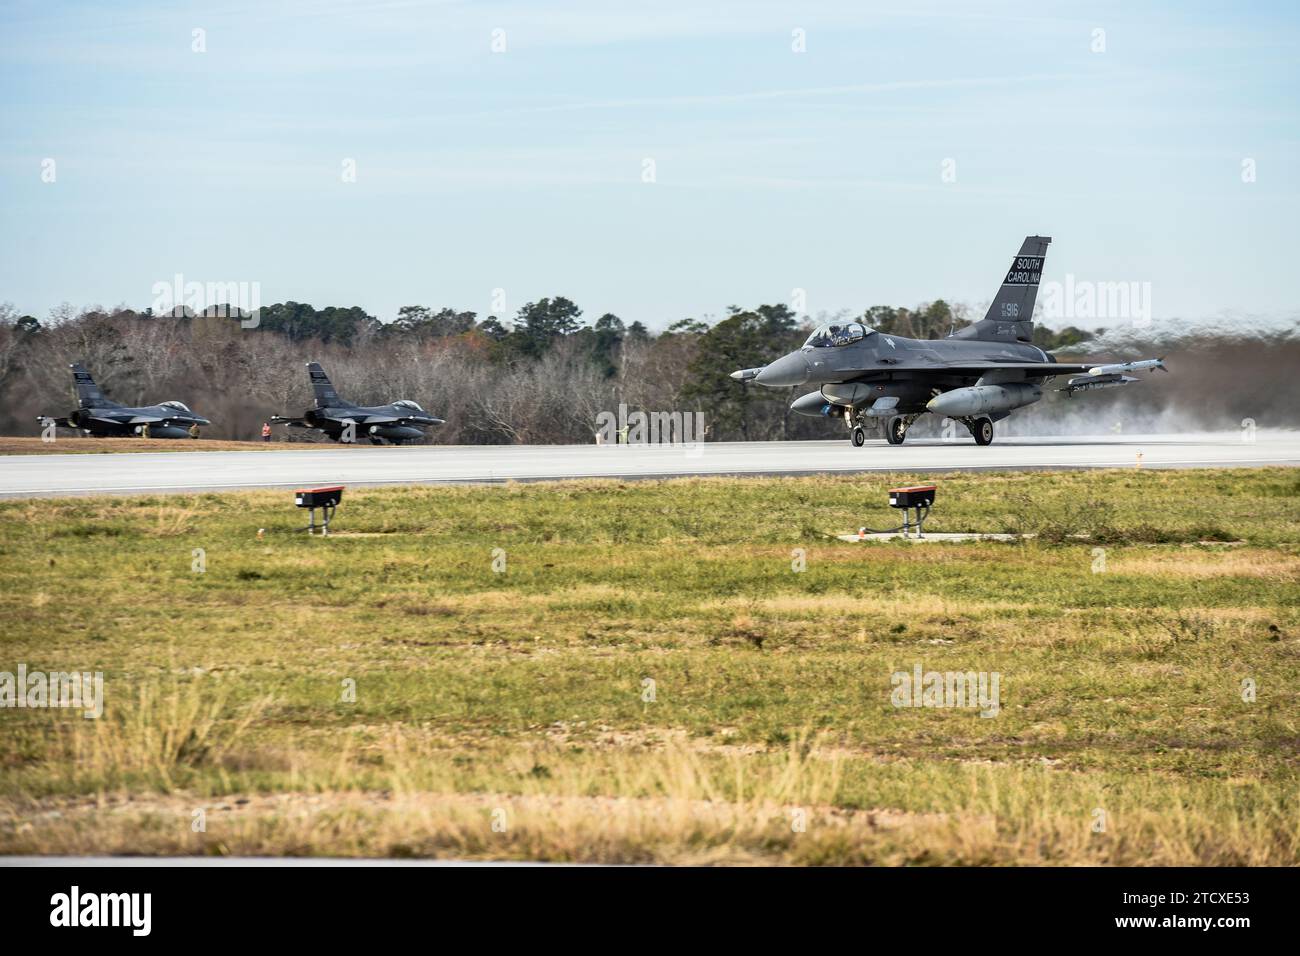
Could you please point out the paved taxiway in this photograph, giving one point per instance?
(144, 472)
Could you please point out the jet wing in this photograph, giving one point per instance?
(133, 420)
(1060, 368)
(1029, 368)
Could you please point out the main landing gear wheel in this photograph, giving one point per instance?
(896, 431)
(983, 431)
(859, 436)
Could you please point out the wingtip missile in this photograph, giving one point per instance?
(1121, 367)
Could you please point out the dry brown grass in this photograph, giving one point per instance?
(1221, 563)
(674, 804)
(661, 797)
(522, 692)
(916, 605)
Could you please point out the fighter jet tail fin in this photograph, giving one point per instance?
(88, 393)
(1011, 316)
(321, 385)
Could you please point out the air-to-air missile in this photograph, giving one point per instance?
(1110, 376)
(1141, 366)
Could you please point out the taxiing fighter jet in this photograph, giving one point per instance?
(976, 376)
(344, 422)
(98, 416)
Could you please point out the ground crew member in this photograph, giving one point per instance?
(266, 431)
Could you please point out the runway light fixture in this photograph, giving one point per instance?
(918, 498)
(326, 499)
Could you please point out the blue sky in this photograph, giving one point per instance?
(522, 170)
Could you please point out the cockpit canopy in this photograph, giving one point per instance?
(178, 406)
(407, 403)
(837, 334)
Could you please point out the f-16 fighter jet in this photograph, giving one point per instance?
(976, 376)
(344, 422)
(98, 416)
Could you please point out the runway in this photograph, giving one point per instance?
(27, 476)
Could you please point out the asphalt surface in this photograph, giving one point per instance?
(164, 472)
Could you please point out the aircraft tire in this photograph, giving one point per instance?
(896, 431)
(983, 431)
(859, 436)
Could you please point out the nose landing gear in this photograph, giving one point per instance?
(895, 428)
(856, 422)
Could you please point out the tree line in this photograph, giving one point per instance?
(539, 377)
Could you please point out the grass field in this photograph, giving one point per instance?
(637, 672)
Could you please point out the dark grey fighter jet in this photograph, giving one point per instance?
(98, 416)
(344, 422)
(976, 376)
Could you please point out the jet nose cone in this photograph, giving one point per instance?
(789, 369)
